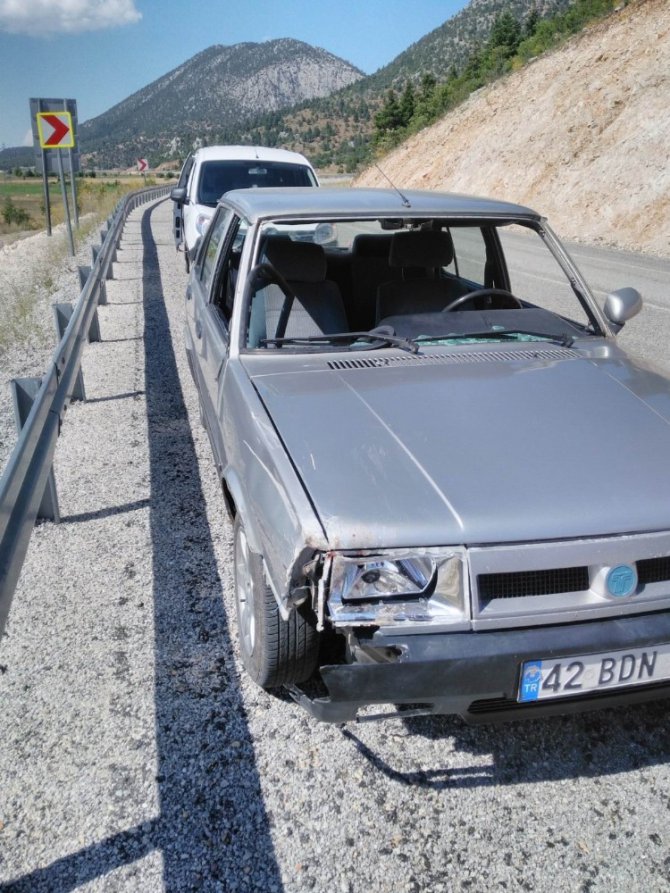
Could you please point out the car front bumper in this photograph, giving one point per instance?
(476, 674)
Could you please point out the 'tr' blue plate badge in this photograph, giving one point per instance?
(531, 679)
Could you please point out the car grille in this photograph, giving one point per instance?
(555, 581)
(653, 570)
(526, 583)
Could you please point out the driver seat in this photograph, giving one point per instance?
(420, 254)
(317, 309)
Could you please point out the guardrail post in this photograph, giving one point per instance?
(84, 273)
(94, 328)
(62, 316)
(24, 391)
(102, 299)
(112, 260)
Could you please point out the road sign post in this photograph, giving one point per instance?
(63, 191)
(54, 126)
(143, 167)
(73, 187)
(45, 178)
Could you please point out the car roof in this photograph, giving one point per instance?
(267, 202)
(248, 153)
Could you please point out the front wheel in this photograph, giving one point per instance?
(274, 651)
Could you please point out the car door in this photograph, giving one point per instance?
(197, 300)
(178, 207)
(213, 305)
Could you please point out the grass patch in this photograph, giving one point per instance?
(25, 311)
(26, 195)
(21, 187)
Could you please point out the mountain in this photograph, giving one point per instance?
(451, 44)
(337, 129)
(280, 93)
(581, 134)
(219, 87)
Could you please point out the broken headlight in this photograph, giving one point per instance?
(384, 578)
(394, 587)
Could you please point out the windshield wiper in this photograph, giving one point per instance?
(564, 340)
(378, 338)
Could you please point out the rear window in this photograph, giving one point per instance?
(218, 177)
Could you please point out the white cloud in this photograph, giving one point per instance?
(41, 18)
(28, 138)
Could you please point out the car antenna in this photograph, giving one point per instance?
(404, 198)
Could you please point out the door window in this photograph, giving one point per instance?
(213, 237)
(185, 172)
(225, 283)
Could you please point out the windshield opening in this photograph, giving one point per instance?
(405, 283)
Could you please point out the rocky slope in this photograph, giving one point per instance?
(582, 134)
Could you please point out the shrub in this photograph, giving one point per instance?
(12, 214)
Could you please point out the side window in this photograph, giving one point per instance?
(225, 283)
(215, 233)
(186, 171)
(469, 254)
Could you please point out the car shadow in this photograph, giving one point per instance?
(586, 745)
(212, 830)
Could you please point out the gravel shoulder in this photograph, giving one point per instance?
(35, 273)
(137, 756)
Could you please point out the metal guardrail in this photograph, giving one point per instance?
(27, 489)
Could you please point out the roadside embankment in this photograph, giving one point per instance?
(582, 134)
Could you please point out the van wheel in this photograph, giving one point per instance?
(274, 651)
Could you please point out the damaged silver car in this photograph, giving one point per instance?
(450, 486)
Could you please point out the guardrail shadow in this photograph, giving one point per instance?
(212, 829)
(585, 745)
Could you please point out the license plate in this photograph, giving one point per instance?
(565, 676)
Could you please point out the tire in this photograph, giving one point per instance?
(186, 259)
(274, 651)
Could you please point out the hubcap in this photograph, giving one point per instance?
(244, 591)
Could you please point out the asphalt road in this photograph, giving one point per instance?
(648, 335)
(135, 754)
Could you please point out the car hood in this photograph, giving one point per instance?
(426, 452)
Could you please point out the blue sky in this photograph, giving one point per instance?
(100, 51)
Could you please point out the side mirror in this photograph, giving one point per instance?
(178, 194)
(622, 305)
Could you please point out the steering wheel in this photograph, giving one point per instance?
(482, 292)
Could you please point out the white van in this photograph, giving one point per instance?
(210, 172)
